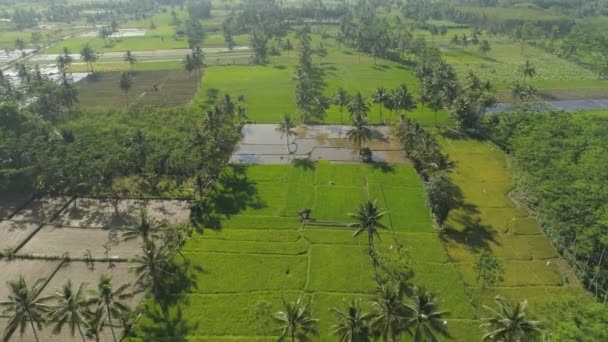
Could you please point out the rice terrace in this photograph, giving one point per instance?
(260, 170)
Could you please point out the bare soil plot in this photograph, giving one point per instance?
(13, 233)
(47, 335)
(9, 204)
(104, 213)
(31, 270)
(41, 209)
(149, 88)
(81, 272)
(57, 241)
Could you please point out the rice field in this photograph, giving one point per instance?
(261, 253)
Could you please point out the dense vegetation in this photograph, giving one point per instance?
(562, 160)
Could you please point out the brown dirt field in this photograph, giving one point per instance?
(41, 210)
(10, 203)
(31, 270)
(79, 272)
(173, 88)
(102, 213)
(13, 233)
(56, 241)
(46, 335)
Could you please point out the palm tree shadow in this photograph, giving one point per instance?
(162, 325)
(474, 235)
(304, 163)
(383, 166)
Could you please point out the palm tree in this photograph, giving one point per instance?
(89, 56)
(360, 133)
(341, 99)
(24, 306)
(71, 308)
(296, 321)
(358, 106)
(352, 323)
(125, 83)
(94, 324)
(367, 219)
(110, 302)
(147, 228)
(509, 323)
(288, 46)
(241, 115)
(150, 266)
(379, 97)
(286, 128)
(403, 100)
(527, 69)
(424, 316)
(389, 314)
(228, 105)
(130, 58)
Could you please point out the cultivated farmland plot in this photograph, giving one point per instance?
(13, 233)
(31, 270)
(57, 241)
(41, 210)
(47, 335)
(111, 213)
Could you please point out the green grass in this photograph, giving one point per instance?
(262, 252)
(270, 90)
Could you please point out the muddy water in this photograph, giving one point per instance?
(263, 144)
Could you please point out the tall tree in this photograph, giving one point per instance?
(367, 220)
(358, 106)
(130, 58)
(89, 56)
(379, 97)
(509, 323)
(150, 267)
(527, 69)
(125, 83)
(110, 301)
(285, 127)
(71, 307)
(401, 99)
(425, 318)
(341, 99)
(360, 132)
(296, 321)
(353, 323)
(388, 315)
(147, 228)
(24, 306)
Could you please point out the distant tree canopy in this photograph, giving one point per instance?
(563, 160)
(199, 9)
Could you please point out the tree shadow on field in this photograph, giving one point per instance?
(383, 166)
(233, 193)
(162, 317)
(464, 226)
(304, 163)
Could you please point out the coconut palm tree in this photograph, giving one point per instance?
(89, 56)
(286, 128)
(147, 228)
(425, 318)
(228, 105)
(342, 99)
(125, 83)
(509, 322)
(24, 306)
(527, 69)
(296, 321)
(367, 219)
(110, 301)
(150, 266)
(353, 323)
(379, 97)
(358, 106)
(402, 99)
(130, 58)
(241, 115)
(388, 315)
(359, 133)
(94, 324)
(71, 307)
